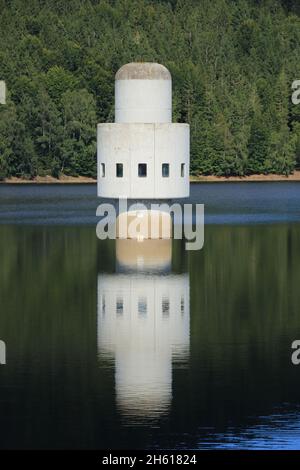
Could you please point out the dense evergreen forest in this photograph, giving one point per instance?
(232, 62)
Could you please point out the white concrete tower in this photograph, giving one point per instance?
(143, 155)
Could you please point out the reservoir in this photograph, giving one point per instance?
(184, 350)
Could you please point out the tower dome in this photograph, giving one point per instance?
(143, 71)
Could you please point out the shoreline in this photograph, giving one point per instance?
(246, 179)
(51, 180)
(193, 179)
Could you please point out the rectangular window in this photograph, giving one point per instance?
(165, 307)
(182, 305)
(119, 170)
(165, 170)
(142, 170)
(182, 170)
(142, 306)
(103, 170)
(119, 306)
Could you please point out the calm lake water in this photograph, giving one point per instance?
(123, 345)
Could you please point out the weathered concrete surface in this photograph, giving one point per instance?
(143, 101)
(2, 92)
(143, 71)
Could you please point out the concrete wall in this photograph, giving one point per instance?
(139, 224)
(144, 101)
(153, 144)
(2, 92)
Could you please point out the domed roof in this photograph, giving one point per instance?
(143, 71)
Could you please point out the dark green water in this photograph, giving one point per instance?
(195, 353)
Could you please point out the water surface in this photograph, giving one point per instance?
(114, 345)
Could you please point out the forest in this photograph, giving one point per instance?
(232, 62)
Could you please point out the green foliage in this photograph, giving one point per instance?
(232, 63)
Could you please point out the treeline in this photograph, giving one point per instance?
(232, 62)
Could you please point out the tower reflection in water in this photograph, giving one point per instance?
(144, 326)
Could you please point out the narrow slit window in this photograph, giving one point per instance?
(182, 170)
(119, 170)
(142, 170)
(103, 305)
(165, 169)
(103, 170)
(142, 306)
(182, 305)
